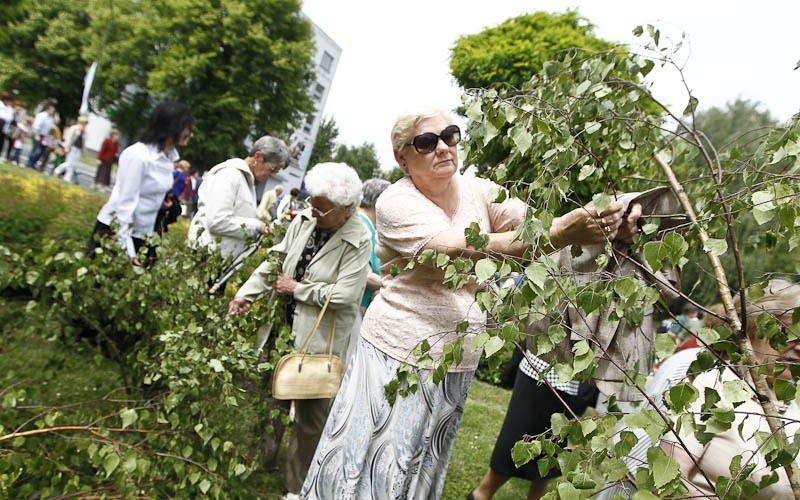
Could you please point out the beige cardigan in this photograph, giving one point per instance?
(340, 264)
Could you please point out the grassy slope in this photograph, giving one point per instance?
(32, 205)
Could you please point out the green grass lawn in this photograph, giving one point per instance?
(52, 373)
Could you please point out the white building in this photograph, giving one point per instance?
(326, 60)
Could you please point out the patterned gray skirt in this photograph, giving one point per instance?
(370, 449)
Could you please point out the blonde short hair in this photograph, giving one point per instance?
(404, 126)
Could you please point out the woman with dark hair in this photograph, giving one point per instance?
(144, 177)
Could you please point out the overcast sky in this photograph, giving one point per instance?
(396, 54)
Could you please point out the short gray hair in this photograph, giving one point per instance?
(370, 191)
(273, 150)
(337, 182)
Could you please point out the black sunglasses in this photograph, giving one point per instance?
(427, 142)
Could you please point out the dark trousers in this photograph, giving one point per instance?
(102, 231)
(36, 153)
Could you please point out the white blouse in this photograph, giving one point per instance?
(143, 179)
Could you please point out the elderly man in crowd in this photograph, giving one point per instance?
(226, 212)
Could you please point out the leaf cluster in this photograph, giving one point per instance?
(192, 408)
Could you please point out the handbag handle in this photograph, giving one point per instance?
(304, 347)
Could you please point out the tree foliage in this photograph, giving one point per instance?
(517, 51)
(325, 142)
(510, 53)
(363, 158)
(242, 66)
(191, 414)
(44, 58)
(735, 131)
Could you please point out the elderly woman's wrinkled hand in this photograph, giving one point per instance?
(584, 226)
(285, 285)
(238, 306)
(630, 224)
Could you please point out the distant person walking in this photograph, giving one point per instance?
(73, 147)
(267, 208)
(143, 180)
(6, 122)
(106, 157)
(42, 126)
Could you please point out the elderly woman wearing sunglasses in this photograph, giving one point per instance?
(370, 448)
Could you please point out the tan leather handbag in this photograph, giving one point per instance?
(309, 376)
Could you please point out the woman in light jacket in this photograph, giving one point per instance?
(326, 248)
(226, 212)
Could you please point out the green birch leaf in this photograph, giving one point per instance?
(592, 127)
(128, 417)
(715, 246)
(582, 87)
(474, 111)
(110, 463)
(216, 365)
(665, 345)
(536, 273)
(485, 269)
(478, 341)
(586, 172)
(735, 391)
(681, 395)
(626, 287)
(523, 452)
(522, 139)
(663, 468)
(601, 201)
(784, 389)
(588, 426)
(647, 420)
(493, 345)
(650, 228)
(204, 485)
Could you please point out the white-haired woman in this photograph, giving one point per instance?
(326, 248)
(370, 448)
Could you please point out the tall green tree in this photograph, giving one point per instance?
(513, 55)
(510, 53)
(325, 142)
(243, 66)
(736, 130)
(363, 158)
(44, 58)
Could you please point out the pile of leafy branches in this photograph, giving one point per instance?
(191, 417)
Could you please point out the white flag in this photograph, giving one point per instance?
(87, 86)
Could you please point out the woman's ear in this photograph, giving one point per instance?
(401, 161)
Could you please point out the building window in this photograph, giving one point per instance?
(327, 61)
(319, 90)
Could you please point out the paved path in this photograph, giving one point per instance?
(84, 173)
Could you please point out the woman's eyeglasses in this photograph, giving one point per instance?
(427, 142)
(319, 213)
